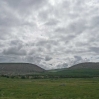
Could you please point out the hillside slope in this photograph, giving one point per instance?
(19, 68)
(82, 70)
(87, 65)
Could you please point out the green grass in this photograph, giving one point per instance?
(68, 88)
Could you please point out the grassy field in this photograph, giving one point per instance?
(67, 88)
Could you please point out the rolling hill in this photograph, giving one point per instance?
(82, 70)
(19, 68)
(87, 65)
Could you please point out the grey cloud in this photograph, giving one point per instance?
(16, 42)
(67, 38)
(43, 15)
(9, 20)
(64, 65)
(33, 51)
(23, 4)
(14, 51)
(4, 59)
(47, 58)
(46, 42)
(16, 47)
(8, 17)
(52, 22)
(77, 27)
(84, 44)
(77, 59)
(14, 3)
(66, 4)
(94, 22)
(34, 59)
(5, 33)
(10, 59)
(94, 49)
(73, 29)
(61, 30)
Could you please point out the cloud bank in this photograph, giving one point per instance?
(49, 33)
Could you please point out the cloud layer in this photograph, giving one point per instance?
(49, 33)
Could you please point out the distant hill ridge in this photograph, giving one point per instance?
(19, 68)
(81, 70)
(87, 65)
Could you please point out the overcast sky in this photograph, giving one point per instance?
(49, 33)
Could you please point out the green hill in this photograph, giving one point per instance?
(81, 70)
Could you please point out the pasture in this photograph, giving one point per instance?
(67, 88)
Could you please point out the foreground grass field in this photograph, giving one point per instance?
(68, 88)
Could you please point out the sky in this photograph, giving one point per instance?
(50, 33)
